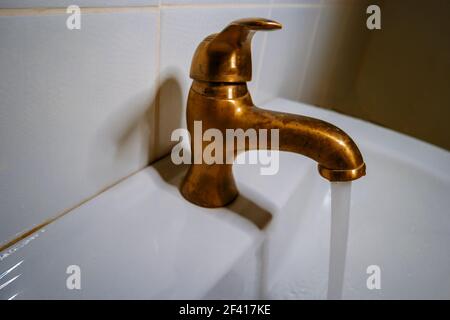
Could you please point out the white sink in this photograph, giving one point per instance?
(399, 221)
(141, 239)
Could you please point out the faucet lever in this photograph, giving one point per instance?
(226, 56)
(256, 24)
(247, 26)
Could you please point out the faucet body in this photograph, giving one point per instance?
(225, 103)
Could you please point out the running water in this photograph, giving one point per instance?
(340, 212)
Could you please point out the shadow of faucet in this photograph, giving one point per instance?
(132, 135)
(242, 205)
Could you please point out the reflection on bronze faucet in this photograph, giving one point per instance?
(219, 98)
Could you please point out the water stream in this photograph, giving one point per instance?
(340, 213)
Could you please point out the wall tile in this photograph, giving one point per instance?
(75, 112)
(325, 53)
(182, 29)
(81, 3)
(286, 53)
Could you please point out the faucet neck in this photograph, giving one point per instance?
(220, 90)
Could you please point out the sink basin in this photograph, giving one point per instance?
(141, 240)
(399, 221)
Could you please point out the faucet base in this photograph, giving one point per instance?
(209, 186)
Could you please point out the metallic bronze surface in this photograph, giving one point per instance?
(226, 56)
(220, 99)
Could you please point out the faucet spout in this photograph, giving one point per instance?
(337, 156)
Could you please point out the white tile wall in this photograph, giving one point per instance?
(286, 52)
(324, 53)
(81, 109)
(73, 109)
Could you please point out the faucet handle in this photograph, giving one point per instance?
(226, 56)
(255, 24)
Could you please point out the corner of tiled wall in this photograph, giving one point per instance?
(83, 109)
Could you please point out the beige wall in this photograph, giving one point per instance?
(402, 78)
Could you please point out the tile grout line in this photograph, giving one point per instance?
(8, 12)
(37, 11)
(242, 5)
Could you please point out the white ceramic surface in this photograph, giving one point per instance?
(399, 221)
(138, 240)
(141, 239)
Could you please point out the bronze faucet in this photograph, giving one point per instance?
(219, 98)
